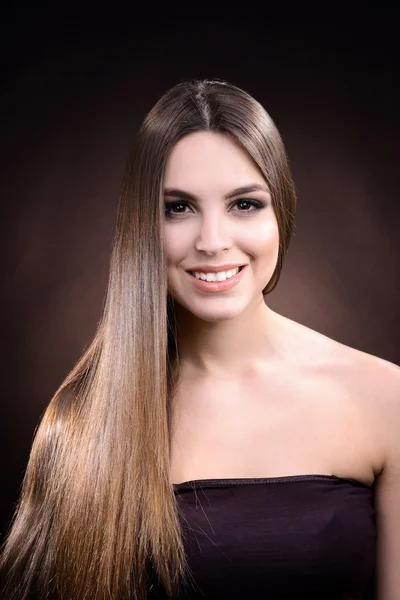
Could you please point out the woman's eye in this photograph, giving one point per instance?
(250, 205)
(254, 203)
(170, 205)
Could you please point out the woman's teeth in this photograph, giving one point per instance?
(221, 276)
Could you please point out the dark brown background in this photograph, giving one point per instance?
(76, 83)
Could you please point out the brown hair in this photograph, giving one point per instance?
(97, 514)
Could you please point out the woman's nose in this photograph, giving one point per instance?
(213, 234)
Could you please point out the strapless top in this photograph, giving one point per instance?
(297, 536)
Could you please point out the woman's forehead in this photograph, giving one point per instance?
(203, 159)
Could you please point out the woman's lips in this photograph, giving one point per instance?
(218, 286)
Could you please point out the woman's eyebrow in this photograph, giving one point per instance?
(245, 189)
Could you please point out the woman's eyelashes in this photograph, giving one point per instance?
(255, 205)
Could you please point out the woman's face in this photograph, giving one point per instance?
(211, 230)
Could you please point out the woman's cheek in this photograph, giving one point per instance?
(264, 237)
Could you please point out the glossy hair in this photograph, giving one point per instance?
(97, 518)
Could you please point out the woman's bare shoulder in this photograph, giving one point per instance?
(319, 348)
(364, 388)
(367, 377)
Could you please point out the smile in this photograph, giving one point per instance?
(218, 286)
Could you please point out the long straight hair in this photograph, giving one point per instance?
(97, 517)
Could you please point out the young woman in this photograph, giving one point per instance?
(205, 446)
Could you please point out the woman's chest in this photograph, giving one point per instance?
(270, 427)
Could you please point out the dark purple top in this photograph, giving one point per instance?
(299, 536)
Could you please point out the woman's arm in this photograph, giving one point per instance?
(387, 489)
